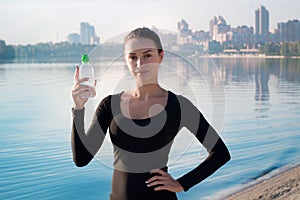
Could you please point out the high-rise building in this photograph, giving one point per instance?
(243, 37)
(212, 23)
(87, 34)
(218, 29)
(184, 33)
(183, 27)
(289, 31)
(74, 38)
(262, 23)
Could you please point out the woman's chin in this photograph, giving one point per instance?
(142, 81)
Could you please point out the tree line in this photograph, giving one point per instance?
(283, 49)
(59, 52)
(65, 52)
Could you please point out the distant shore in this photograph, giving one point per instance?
(77, 59)
(284, 186)
(244, 56)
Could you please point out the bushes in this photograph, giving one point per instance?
(284, 49)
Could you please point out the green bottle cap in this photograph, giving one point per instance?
(84, 58)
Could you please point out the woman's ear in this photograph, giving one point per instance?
(161, 56)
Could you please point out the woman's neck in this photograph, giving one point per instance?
(148, 90)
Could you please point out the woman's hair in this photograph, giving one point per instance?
(145, 33)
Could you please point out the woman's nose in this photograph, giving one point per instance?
(139, 62)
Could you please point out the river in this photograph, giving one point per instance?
(254, 103)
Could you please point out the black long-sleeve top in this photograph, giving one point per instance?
(141, 145)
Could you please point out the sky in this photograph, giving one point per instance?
(31, 22)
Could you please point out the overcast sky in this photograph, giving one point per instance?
(30, 22)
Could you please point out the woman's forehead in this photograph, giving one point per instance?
(139, 44)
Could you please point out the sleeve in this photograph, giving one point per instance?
(193, 120)
(86, 144)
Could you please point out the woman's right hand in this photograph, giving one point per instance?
(77, 99)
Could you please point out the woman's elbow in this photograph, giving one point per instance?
(221, 155)
(80, 162)
(224, 156)
(227, 156)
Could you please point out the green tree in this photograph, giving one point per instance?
(293, 49)
(284, 50)
(62, 52)
(270, 49)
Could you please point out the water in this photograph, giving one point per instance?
(258, 116)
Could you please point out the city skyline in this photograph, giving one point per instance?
(32, 22)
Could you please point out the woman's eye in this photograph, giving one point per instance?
(132, 57)
(147, 55)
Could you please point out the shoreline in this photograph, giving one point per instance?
(262, 56)
(284, 185)
(75, 60)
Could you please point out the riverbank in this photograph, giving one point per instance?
(284, 186)
(244, 56)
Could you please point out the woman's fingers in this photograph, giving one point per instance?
(155, 178)
(76, 74)
(163, 181)
(76, 77)
(81, 93)
(82, 88)
(82, 80)
(157, 182)
(162, 175)
(79, 81)
(163, 187)
(169, 184)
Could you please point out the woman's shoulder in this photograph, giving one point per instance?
(179, 97)
(111, 96)
(185, 103)
(109, 99)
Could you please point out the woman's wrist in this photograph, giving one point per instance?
(78, 107)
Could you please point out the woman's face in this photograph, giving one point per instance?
(143, 59)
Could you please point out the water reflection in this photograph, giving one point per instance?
(252, 71)
(261, 84)
(262, 95)
(243, 69)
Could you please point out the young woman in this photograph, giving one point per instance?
(142, 125)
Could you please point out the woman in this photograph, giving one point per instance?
(142, 125)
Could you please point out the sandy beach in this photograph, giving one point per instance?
(284, 186)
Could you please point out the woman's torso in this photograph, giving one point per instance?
(141, 145)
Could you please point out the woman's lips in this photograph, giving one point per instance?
(140, 71)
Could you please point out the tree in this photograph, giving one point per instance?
(284, 50)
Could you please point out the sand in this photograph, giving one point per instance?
(284, 186)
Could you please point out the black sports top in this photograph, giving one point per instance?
(141, 145)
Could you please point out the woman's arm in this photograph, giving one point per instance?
(86, 144)
(209, 138)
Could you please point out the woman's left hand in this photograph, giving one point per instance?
(163, 181)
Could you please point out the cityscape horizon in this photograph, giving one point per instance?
(107, 28)
(221, 38)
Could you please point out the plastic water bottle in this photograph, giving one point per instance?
(86, 70)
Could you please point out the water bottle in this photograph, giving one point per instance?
(86, 70)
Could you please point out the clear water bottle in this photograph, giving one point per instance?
(86, 70)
